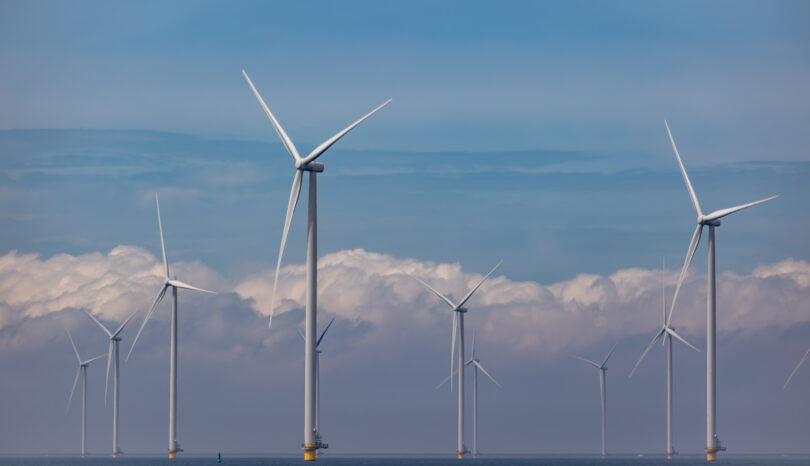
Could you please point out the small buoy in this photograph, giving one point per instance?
(219, 457)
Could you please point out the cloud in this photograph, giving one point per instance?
(376, 296)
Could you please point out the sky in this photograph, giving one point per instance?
(531, 132)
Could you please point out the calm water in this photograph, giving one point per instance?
(406, 461)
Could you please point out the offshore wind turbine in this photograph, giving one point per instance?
(476, 366)
(602, 372)
(83, 370)
(667, 332)
(312, 441)
(174, 284)
(801, 361)
(458, 328)
(113, 353)
(711, 220)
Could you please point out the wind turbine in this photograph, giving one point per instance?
(667, 332)
(113, 353)
(458, 328)
(476, 366)
(711, 220)
(318, 373)
(602, 371)
(305, 164)
(801, 361)
(174, 284)
(83, 370)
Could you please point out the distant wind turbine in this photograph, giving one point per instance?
(476, 366)
(711, 220)
(602, 371)
(458, 328)
(113, 353)
(83, 370)
(801, 361)
(312, 441)
(174, 284)
(667, 332)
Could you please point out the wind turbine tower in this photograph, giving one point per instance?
(83, 370)
(711, 220)
(174, 284)
(602, 372)
(458, 329)
(312, 441)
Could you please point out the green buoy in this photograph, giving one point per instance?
(219, 457)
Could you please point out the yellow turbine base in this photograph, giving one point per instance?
(115, 455)
(711, 455)
(461, 455)
(669, 456)
(310, 453)
(172, 455)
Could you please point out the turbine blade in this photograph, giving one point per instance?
(186, 286)
(478, 365)
(284, 138)
(121, 328)
(441, 296)
(303, 337)
(681, 339)
(647, 350)
(453, 346)
(683, 171)
(663, 292)
(75, 381)
(94, 359)
(107, 377)
(158, 298)
(586, 360)
(718, 214)
(608, 355)
(162, 244)
(479, 284)
(318, 343)
(446, 379)
(99, 323)
(294, 193)
(473, 347)
(76, 351)
(328, 143)
(689, 253)
(801, 361)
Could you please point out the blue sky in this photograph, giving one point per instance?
(529, 131)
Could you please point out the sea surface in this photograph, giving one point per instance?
(406, 461)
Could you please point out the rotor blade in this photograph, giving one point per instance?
(75, 381)
(186, 286)
(443, 297)
(473, 347)
(647, 350)
(718, 214)
(159, 297)
(294, 193)
(689, 253)
(586, 360)
(478, 365)
(284, 138)
(117, 332)
(681, 339)
(446, 379)
(302, 334)
(801, 361)
(453, 346)
(76, 351)
(608, 355)
(94, 359)
(162, 244)
(318, 343)
(479, 284)
(663, 292)
(99, 323)
(683, 171)
(107, 377)
(328, 143)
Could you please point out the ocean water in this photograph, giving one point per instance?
(406, 461)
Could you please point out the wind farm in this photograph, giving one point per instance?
(521, 193)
